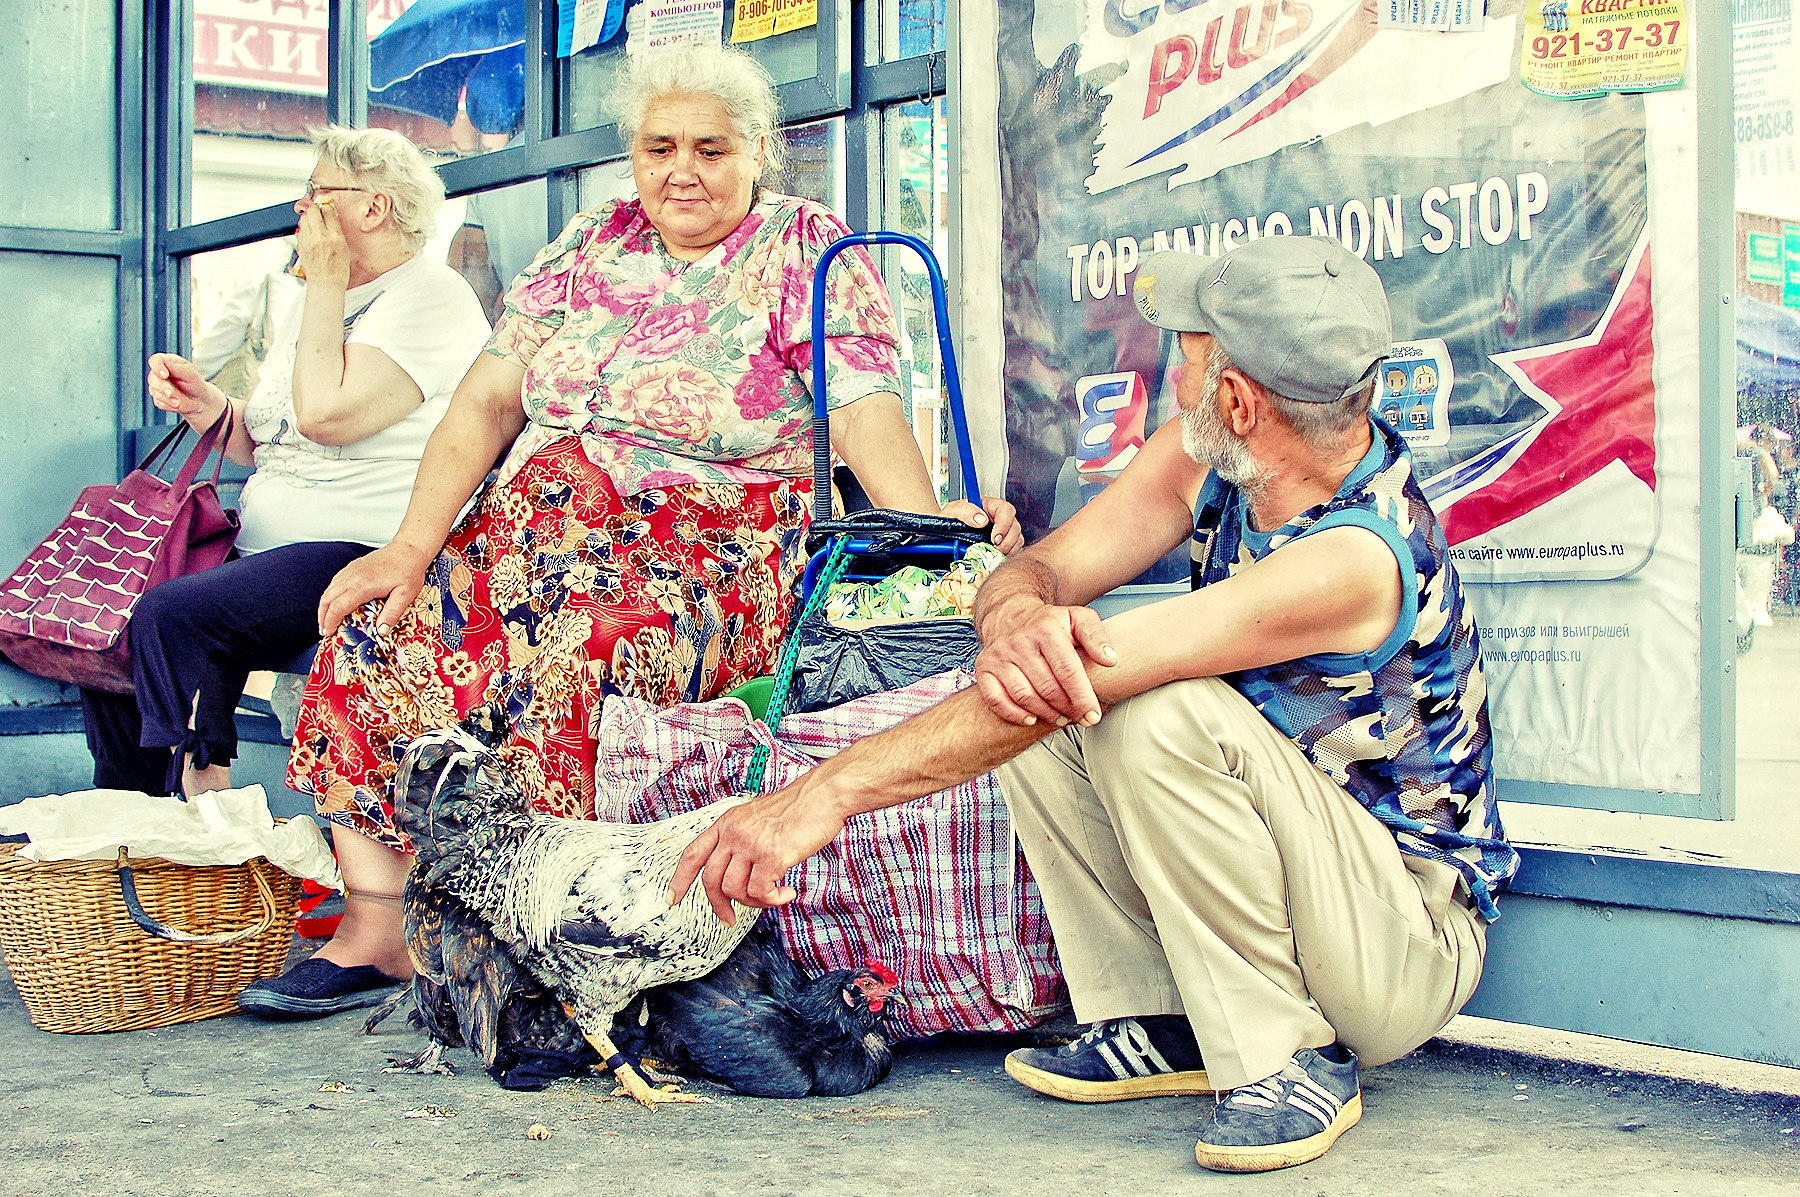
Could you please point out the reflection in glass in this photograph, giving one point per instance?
(449, 75)
(911, 27)
(915, 199)
(501, 232)
(815, 166)
(237, 296)
(259, 84)
(590, 75)
(1767, 417)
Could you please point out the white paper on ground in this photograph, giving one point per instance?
(224, 827)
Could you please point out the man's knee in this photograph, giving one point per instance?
(1190, 719)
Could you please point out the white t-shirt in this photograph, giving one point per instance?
(422, 315)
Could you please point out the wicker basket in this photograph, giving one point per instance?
(98, 945)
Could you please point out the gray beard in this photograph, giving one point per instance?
(1206, 439)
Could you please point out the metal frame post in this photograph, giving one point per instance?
(1710, 50)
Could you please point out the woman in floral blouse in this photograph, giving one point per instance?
(647, 396)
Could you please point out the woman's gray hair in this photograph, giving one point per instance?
(733, 78)
(384, 161)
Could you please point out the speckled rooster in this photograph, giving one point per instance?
(583, 906)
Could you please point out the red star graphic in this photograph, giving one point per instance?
(1607, 399)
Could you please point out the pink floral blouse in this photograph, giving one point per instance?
(674, 372)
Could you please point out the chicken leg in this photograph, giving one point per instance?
(635, 1086)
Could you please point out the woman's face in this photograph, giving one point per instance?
(694, 173)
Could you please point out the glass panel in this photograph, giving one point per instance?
(1768, 418)
(815, 167)
(608, 181)
(259, 84)
(58, 168)
(911, 27)
(502, 231)
(52, 449)
(915, 190)
(589, 76)
(225, 303)
(449, 77)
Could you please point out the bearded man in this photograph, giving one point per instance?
(1261, 813)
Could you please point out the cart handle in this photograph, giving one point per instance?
(952, 381)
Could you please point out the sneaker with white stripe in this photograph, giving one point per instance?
(1117, 1060)
(1286, 1119)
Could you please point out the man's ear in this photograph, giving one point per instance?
(1243, 401)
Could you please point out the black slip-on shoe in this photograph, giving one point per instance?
(1286, 1119)
(314, 988)
(1117, 1060)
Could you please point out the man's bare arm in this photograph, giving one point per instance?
(1038, 635)
(1338, 591)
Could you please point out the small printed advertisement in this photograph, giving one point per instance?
(757, 19)
(1766, 90)
(1538, 255)
(1580, 48)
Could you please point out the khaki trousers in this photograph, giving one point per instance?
(1192, 860)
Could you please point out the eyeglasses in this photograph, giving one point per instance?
(313, 189)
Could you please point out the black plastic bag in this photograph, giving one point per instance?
(835, 664)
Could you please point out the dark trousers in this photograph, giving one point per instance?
(194, 642)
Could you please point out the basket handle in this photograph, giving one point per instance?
(134, 908)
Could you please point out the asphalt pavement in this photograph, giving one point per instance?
(232, 1105)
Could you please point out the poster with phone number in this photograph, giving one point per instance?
(1579, 48)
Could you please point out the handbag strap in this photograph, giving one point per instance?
(166, 445)
(197, 457)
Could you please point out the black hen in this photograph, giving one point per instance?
(759, 1025)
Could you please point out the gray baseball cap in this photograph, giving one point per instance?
(1303, 316)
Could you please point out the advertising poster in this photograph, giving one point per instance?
(1538, 255)
(1602, 46)
(274, 44)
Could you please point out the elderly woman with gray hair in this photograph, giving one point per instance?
(357, 376)
(646, 396)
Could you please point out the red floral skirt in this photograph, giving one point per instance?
(554, 593)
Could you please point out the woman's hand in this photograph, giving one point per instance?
(1006, 534)
(324, 254)
(394, 574)
(175, 385)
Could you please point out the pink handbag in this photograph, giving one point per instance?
(65, 610)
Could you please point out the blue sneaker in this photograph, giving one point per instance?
(1117, 1060)
(1286, 1119)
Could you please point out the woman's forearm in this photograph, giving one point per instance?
(319, 358)
(239, 447)
(876, 442)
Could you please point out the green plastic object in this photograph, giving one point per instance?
(755, 694)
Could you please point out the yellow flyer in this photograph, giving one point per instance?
(757, 19)
(753, 20)
(795, 14)
(1579, 48)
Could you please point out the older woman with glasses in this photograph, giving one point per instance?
(646, 395)
(355, 379)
